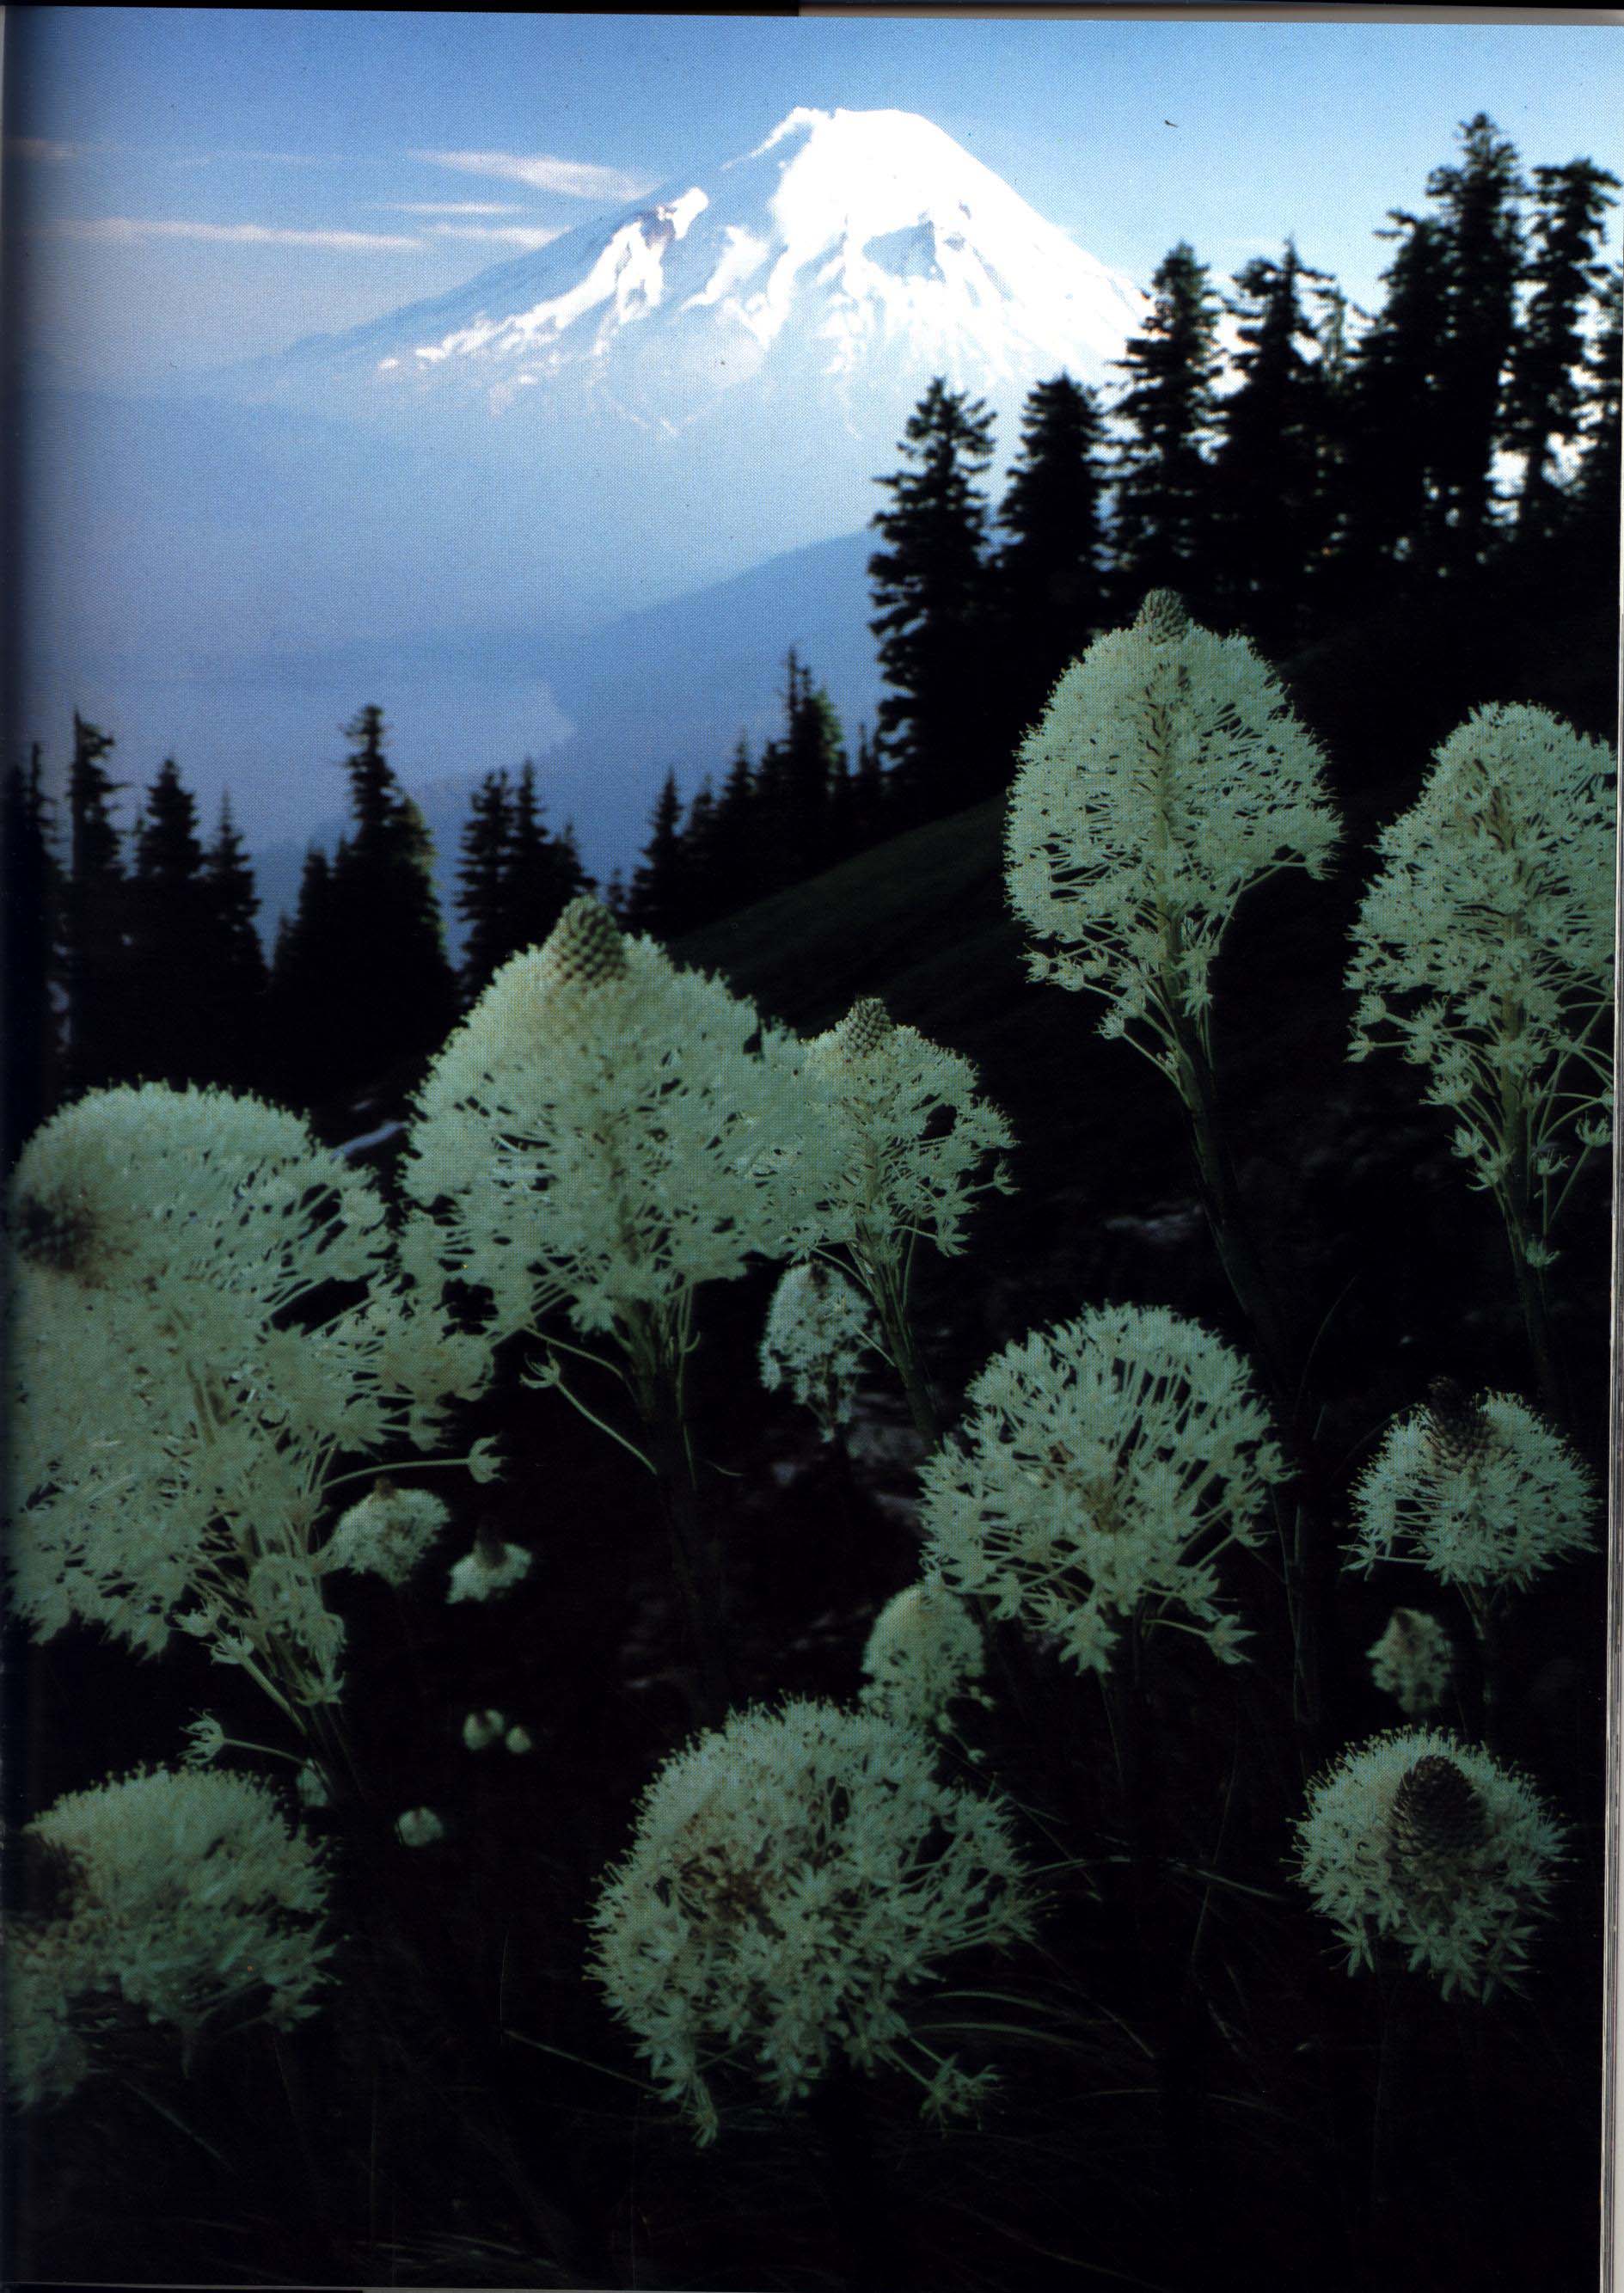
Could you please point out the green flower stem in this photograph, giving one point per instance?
(1485, 1629)
(658, 1364)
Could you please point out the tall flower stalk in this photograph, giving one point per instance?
(1483, 952)
(602, 1135)
(1168, 779)
(917, 1143)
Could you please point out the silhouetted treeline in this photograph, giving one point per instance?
(1458, 445)
(133, 955)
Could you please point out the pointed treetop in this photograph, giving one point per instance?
(584, 948)
(1162, 617)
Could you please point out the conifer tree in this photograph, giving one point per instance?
(706, 894)
(1386, 495)
(734, 860)
(1482, 242)
(309, 1050)
(479, 886)
(931, 585)
(392, 978)
(235, 991)
(870, 795)
(813, 751)
(94, 920)
(1599, 472)
(31, 912)
(1050, 571)
(1163, 532)
(170, 946)
(1545, 398)
(1272, 516)
(658, 887)
(541, 872)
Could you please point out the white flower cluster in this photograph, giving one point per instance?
(925, 1650)
(915, 1137)
(1102, 1469)
(1167, 777)
(206, 1318)
(607, 1132)
(795, 1875)
(1413, 1662)
(1484, 1493)
(186, 1896)
(388, 1533)
(492, 1569)
(819, 1328)
(1425, 1839)
(1483, 948)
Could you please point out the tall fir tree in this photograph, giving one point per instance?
(1546, 393)
(658, 894)
(1482, 240)
(1050, 571)
(310, 1051)
(31, 914)
(236, 988)
(1273, 511)
(932, 586)
(734, 867)
(480, 889)
(95, 973)
(170, 945)
(1162, 525)
(813, 751)
(541, 873)
(1384, 502)
(1599, 468)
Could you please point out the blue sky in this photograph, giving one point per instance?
(194, 186)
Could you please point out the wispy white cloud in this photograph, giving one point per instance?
(126, 229)
(446, 207)
(41, 147)
(571, 179)
(519, 235)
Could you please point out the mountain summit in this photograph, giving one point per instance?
(846, 259)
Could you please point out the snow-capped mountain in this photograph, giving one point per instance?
(842, 262)
(649, 410)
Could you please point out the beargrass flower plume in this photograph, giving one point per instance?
(795, 1876)
(819, 1328)
(184, 1898)
(419, 1826)
(1482, 1493)
(206, 1322)
(1168, 778)
(917, 1144)
(1413, 1662)
(492, 1569)
(1484, 953)
(604, 1133)
(924, 1653)
(1101, 1471)
(1432, 1844)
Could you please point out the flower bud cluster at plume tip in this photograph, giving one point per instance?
(1483, 947)
(1484, 1493)
(1421, 1838)
(605, 1132)
(216, 1294)
(917, 1141)
(187, 1896)
(1100, 1468)
(1168, 777)
(793, 1876)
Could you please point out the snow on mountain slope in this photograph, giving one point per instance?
(850, 251)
